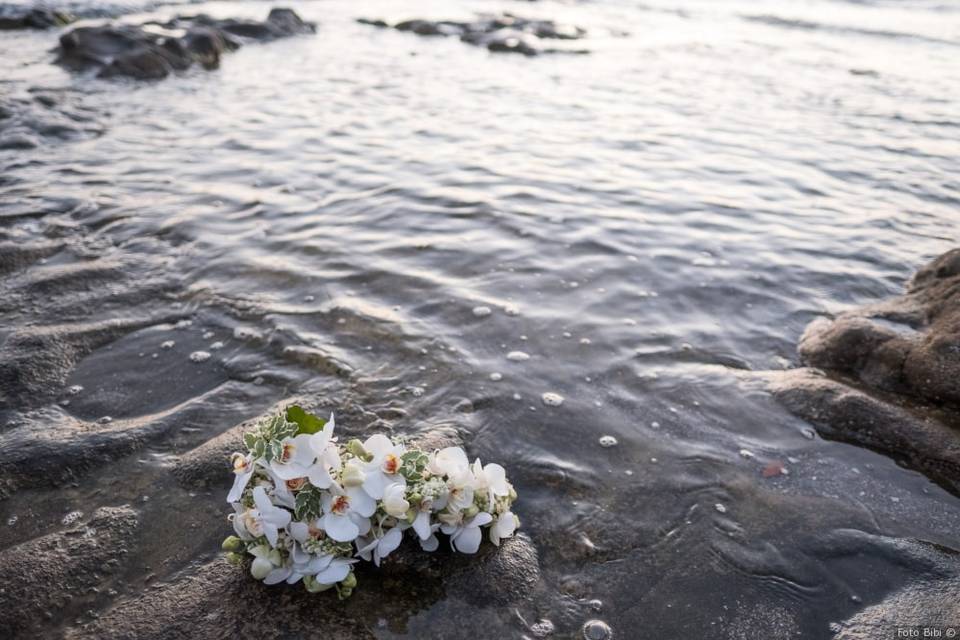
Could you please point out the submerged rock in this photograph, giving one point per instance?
(503, 33)
(154, 50)
(46, 573)
(34, 18)
(894, 373)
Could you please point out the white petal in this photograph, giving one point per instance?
(363, 524)
(239, 484)
(299, 531)
(278, 575)
(303, 454)
(375, 482)
(288, 471)
(361, 502)
(261, 500)
(421, 525)
(319, 476)
(390, 542)
(336, 572)
(468, 541)
(270, 531)
(481, 519)
(497, 479)
(340, 528)
(378, 444)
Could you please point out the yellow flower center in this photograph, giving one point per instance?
(287, 453)
(341, 504)
(296, 484)
(391, 463)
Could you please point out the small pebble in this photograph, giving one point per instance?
(552, 399)
(199, 356)
(542, 629)
(12, 520)
(720, 508)
(72, 517)
(207, 335)
(183, 324)
(105, 420)
(809, 433)
(608, 441)
(167, 344)
(518, 356)
(216, 345)
(482, 312)
(596, 630)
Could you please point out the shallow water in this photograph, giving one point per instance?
(653, 224)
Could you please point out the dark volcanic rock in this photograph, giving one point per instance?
(40, 576)
(894, 372)
(503, 33)
(155, 52)
(35, 18)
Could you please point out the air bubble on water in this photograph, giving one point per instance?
(215, 345)
(720, 508)
(199, 356)
(552, 399)
(542, 629)
(72, 517)
(75, 389)
(597, 630)
(246, 333)
(518, 356)
(496, 377)
(608, 441)
(482, 312)
(167, 344)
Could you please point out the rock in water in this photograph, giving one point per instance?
(504, 33)
(892, 378)
(154, 53)
(34, 18)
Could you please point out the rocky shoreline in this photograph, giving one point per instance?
(887, 376)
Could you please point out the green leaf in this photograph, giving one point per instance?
(308, 503)
(250, 440)
(259, 448)
(274, 451)
(306, 422)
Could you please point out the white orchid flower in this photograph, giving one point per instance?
(384, 469)
(282, 490)
(266, 560)
(492, 479)
(504, 526)
(296, 457)
(394, 500)
(347, 516)
(324, 447)
(265, 520)
(448, 462)
(465, 537)
(379, 548)
(243, 467)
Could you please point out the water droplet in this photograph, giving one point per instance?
(199, 356)
(482, 312)
(518, 356)
(167, 344)
(597, 630)
(552, 399)
(496, 377)
(608, 441)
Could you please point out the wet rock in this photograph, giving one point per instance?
(155, 50)
(34, 18)
(218, 600)
(920, 436)
(35, 361)
(894, 373)
(503, 33)
(45, 573)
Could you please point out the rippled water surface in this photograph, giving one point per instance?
(653, 224)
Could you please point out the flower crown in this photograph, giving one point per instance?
(307, 508)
